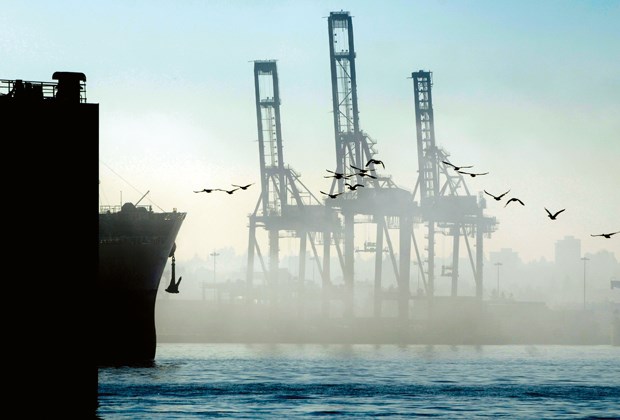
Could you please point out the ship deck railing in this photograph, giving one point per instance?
(116, 209)
(43, 90)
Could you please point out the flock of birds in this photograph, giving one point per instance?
(366, 172)
(550, 215)
(363, 172)
(239, 187)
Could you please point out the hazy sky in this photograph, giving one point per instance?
(527, 90)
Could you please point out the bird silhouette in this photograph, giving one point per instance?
(230, 191)
(552, 216)
(337, 175)
(363, 174)
(208, 190)
(331, 195)
(514, 199)
(376, 162)
(456, 168)
(363, 171)
(243, 187)
(498, 197)
(353, 187)
(174, 287)
(471, 173)
(607, 235)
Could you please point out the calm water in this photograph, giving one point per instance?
(277, 381)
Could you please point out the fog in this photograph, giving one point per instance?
(539, 302)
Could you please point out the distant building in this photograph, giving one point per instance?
(505, 256)
(568, 269)
(567, 251)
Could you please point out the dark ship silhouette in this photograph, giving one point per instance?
(134, 245)
(134, 242)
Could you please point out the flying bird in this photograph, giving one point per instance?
(471, 173)
(353, 187)
(499, 197)
(243, 187)
(553, 216)
(514, 199)
(363, 171)
(331, 195)
(607, 235)
(363, 174)
(208, 190)
(337, 175)
(456, 168)
(230, 191)
(174, 287)
(376, 162)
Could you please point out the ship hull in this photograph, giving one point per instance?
(126, 334)
(134, 247)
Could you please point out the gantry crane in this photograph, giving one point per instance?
(380, 201)
(285, 206)
(445, 200)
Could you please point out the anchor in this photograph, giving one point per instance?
(173, 287)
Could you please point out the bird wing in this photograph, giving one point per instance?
(558, 212)
(504, 194)
(491, 194)
(448, 163)
(548, 212)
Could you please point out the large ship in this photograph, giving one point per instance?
(134, 245)
(55, 119)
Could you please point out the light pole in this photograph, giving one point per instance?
(498, 264)
(584, 259)
(214, 255)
